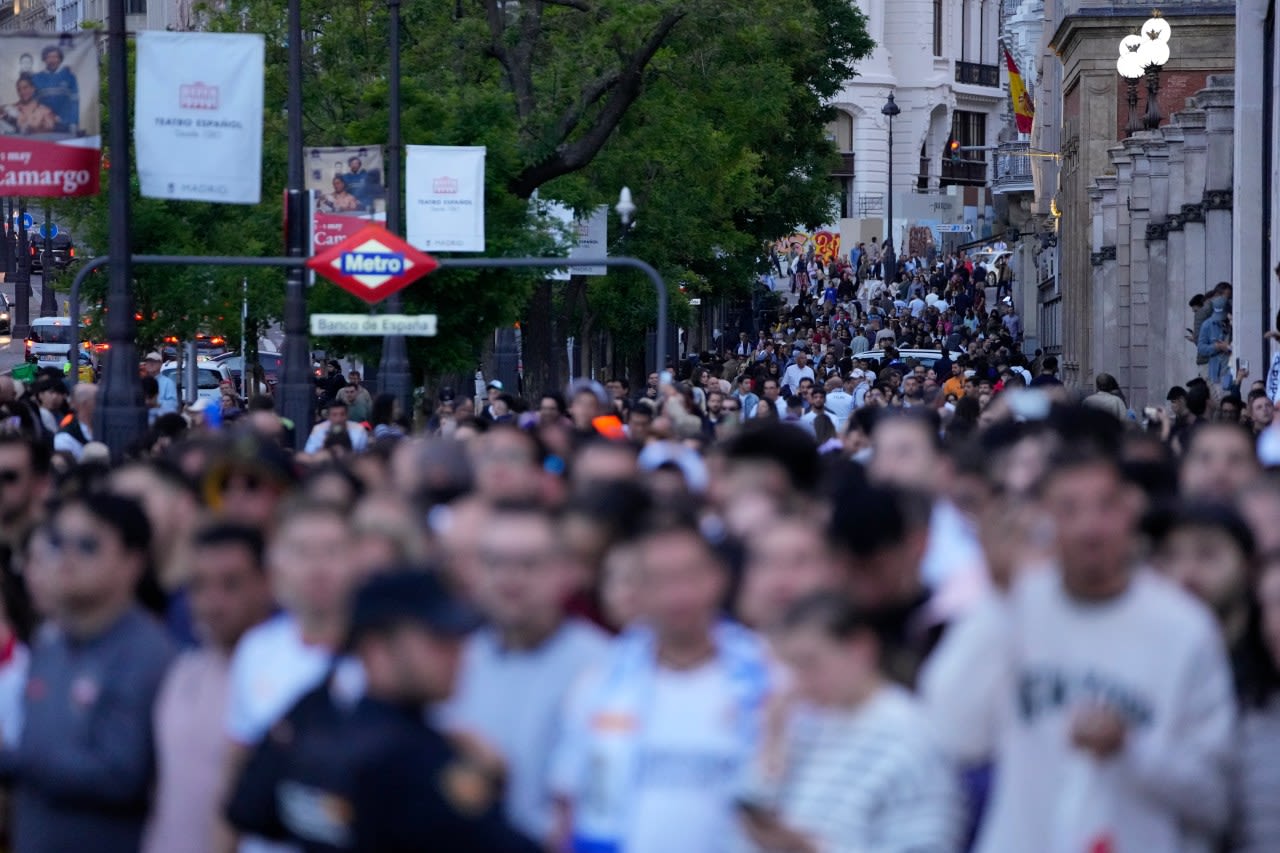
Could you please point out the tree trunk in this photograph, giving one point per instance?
(540, 357)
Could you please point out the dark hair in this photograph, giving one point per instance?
(830, 613)
(1070, 457)
(1050, 363)
(220, 534)
(40, 453)
(791, 448)
(122, 514)
(867, 519)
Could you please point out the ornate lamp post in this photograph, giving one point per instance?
(1154, 54)
(1131, 69)
(890, 258)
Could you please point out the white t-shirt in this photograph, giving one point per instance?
(690, 761)
(791, 378)
(1155, 655)
(270, 671)
(536, 681)
(689, 754)
(917, 306)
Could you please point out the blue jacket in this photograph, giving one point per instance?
(1211, 331)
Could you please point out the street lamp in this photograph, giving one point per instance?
(626, 208)
(889, 259)
(1154, 54)
(1131, 68)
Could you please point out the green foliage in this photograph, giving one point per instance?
(711, 112)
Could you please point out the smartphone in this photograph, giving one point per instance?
(1244, 365)
(1150, 413)
(664, 378)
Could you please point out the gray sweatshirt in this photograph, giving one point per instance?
(84, 766)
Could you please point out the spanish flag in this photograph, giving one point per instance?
(1023, 109)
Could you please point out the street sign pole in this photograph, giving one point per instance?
(297, 392)
(121, 416)
(48, 299)
(21, 273)
(394, 373)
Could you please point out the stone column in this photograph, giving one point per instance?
(1195, 151)
(1181, 355)
(1105, 262)
(1139, 269)
(1118, 323)
(1160, 342)
(1217, 100)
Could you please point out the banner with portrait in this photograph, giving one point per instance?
(444, 198)
(198, 116)
(349, 191)
(50, 140)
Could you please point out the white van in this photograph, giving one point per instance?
(50, 341)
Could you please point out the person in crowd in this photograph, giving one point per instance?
(1218, 460)
(1100, 743)
(278, 661)
(529, 649)
(229, 594)
(77, 429)
(378, 777)
(82, 768)
(338, 422)
(655, 737)
(1255, 824)
(851, 762)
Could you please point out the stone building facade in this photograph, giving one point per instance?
(1081, 107)
(1161, 223)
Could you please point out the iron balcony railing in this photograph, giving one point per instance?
(977, 74)
(1013, 169)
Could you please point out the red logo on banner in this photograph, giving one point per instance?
(445, 186)
(373, 263)
(31, 167)
(198, 96)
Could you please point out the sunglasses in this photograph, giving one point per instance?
(85, 546)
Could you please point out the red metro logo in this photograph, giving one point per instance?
(373, 263)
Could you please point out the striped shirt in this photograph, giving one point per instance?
(1256, 779)
(868, 781)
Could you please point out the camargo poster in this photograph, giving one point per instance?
(50, 142)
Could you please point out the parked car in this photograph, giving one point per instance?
(272, 368)
(209, 378)
(927, 357)
(6, 315)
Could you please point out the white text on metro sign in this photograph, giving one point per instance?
(372, 263)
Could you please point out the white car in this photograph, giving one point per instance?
(927, 357)
(209, 378)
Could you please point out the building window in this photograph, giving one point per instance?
(937, 27)
(136, 7)
(969, 169)
(922, 182)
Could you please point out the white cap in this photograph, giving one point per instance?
(154, 356)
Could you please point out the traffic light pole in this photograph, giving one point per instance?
(297, 391)
(394, 373)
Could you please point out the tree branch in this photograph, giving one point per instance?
(623, 88)
(516, 64)
(580, 5)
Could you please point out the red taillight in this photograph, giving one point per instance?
(71, 253)
(217, 342)
(102, 347)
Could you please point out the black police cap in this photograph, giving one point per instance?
(409, 595)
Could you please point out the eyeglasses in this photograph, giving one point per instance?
(85, 546)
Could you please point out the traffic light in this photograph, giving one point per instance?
(953, 149)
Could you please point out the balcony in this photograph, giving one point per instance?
(845, 167)
(977, 74)
(963, 173)
(1013, 169)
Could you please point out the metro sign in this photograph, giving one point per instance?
(373, 263)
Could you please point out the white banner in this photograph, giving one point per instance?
(444, 198)
(587, 238)
(198, 116)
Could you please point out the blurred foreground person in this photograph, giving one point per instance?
(229, 594)
(1118, 714)
(851, 764)
(376, 778)
(656, 738)
(82, 769)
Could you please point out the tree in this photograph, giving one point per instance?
(712, 112)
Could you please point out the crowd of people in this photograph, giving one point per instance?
(789, 598)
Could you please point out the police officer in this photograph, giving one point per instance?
(375, 776)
